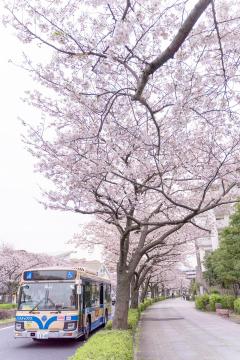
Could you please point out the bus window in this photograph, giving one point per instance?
(101, 295)
(95, 295)
(47, 296)
(73, 297)
(107, 293)
(87, 294)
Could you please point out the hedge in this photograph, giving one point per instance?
(133, 317)
(202, 301)
(213, 299)
(237, 305)
(208, 302)
(227, 302)
(107, 345)
(8, 306)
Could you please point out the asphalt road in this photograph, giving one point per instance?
(24, 349)
(27, 349)
(175, 330)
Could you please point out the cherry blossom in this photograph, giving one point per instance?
(140, 119)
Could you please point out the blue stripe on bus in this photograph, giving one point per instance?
(95, 324)
(30, 318)
(49, 321)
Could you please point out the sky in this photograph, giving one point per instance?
(24, 223)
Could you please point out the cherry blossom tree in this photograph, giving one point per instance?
(14, 262)
(139, 104)
(175, 250)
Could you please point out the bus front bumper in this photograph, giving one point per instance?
(43, 335)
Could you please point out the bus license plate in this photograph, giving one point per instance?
(42, 335)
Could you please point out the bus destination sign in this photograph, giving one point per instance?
(35, 275)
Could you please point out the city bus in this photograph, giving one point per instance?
(61, 303)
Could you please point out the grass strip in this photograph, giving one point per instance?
(7, 306)
(108, 344)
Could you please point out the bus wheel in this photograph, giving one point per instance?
(87, 328)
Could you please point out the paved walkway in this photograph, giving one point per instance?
(175, 330)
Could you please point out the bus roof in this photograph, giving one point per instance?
(84, 272)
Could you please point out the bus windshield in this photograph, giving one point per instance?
(47, 296)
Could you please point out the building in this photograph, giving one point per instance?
(214, 221)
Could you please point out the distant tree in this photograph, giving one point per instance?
(14, 262)
(223, 264)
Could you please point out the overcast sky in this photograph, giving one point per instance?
(23, 221)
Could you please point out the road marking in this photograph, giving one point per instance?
(8, 327)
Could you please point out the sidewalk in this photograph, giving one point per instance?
(175, 330)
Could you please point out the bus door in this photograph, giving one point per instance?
(80, 306)
(86, 301)
(102, 297)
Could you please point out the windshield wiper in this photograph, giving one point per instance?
(35, 307)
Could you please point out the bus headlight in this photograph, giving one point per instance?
(70, 325)
(19, 326)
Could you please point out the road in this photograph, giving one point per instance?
(24, 349)
(175, 330)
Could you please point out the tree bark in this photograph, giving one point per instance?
(152, 291)
(134, 298)
(144, 290)
(120, 320)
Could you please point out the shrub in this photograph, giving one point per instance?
(142, 307)
(214, 291)
(227, 302)
(106, 345)
(147, 302)
(133, 317)
(237, 305)
(202, 301)
(213, 299)
(109, 325)
(8, 306)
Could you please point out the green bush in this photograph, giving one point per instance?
(133, 317)
(237, 305)
(202, 301)
(8, 306)
(107, 345)
(109, 325)
(142, 307)
(227, 302)
(214, 291)
(213, 299)
(148, 302)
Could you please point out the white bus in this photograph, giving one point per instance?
(61, 303)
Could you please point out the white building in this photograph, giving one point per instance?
(215, 221)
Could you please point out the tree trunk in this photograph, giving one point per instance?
(152, 289)
(120, 320)
(144, 290)
(235, 289)
(134, 293)
(134, 298)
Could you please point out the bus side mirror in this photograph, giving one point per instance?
(79, 289)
